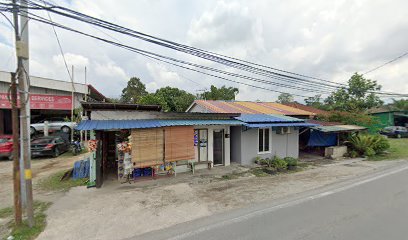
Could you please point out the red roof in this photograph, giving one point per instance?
(247, 107)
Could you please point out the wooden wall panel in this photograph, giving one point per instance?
(179, 143)
(147, 147)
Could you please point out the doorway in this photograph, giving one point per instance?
(218, 147)
(201, 142)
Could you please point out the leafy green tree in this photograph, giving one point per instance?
(134, 90)
(171, 99)
(400, 105)
(222, 93)
(285, 98)
(152, 99)
(315, 101)
(358, 96)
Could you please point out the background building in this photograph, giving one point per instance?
(48, 98)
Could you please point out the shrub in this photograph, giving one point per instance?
(258, 160)
(381, 144)
(290, 161)
(279, 164)
(368, 145)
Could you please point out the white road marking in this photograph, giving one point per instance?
(283, 205)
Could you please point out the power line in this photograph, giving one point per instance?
(143, 52)
(146, 53)
(194, 51)
(201, 53)
(384, 64)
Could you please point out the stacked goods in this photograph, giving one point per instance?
(92, 145)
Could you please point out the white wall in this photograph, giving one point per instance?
(286, 145)
(227, 142)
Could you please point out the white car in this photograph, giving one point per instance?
(54, 124)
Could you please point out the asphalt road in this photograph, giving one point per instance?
(371, 207)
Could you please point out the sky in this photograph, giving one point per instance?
(325, 39)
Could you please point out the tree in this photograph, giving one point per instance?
(356, 97)
(171, 99)
(134, 90)
(152, 99)
(315, 101)
(285, 98)
(400, 105)
(222, 93)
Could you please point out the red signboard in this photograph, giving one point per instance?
(41, 101)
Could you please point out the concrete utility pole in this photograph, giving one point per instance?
(16, 164)
(72, 102)
(23, 76)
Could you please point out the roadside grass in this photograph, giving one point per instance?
(54, 182)
(6, 212)
(398, 150)
(69, 153)
(259, 172)
(24, 232)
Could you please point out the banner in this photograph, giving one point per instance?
(40, 101)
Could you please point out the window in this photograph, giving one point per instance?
(263, 140)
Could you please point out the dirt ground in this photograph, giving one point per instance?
(118, 211)
(41, 167)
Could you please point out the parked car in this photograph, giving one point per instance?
(48, 146)
(54, 124)
(395, 131)
(6, 146)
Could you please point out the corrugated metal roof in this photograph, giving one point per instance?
(266, 118)
(149, 123)
(293, 124)
(307, 108)
(250, 108)
(339, 128)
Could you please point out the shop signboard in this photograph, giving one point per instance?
(40, 101)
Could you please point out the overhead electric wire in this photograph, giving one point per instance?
(187, 49)
(199, 53)
(145, 53)
(384, 64)
(62, 52)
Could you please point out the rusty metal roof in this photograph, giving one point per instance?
(247, 107)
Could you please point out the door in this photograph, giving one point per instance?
(202, 143)
(218, 147)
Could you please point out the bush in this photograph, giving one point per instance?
(279, 164)
(368, 145)
(381, 144)
(290, 161)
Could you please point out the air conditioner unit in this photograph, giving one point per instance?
(283, 130)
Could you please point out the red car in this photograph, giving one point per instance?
(6, 146)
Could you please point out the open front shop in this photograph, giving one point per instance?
(149, 149)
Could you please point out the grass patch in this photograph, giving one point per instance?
(54, 183)
(233, 175)
(398, 150)
(259, 172)
(69, 153)
(6, 212)
(24, 232)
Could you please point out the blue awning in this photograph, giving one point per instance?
(295, 124)
(149, 123)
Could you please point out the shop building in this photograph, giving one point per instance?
(136, 140)
(49, 98)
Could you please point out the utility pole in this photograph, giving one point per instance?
(23, 70)
(72, 102)
(16, 164)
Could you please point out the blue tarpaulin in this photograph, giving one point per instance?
(320, 139)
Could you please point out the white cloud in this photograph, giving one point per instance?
(75, 60)
(326, 39)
